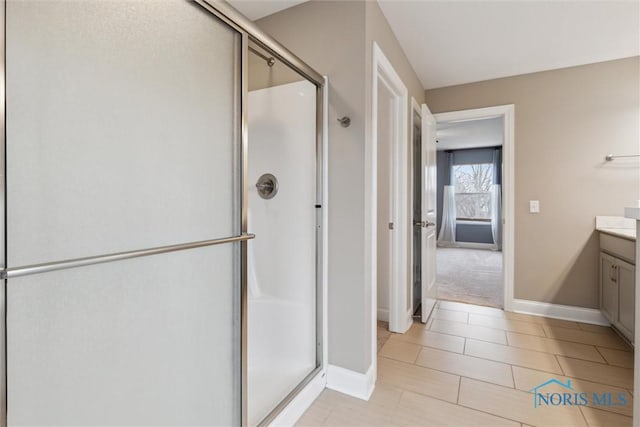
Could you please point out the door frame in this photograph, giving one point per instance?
(507, 112)
(419, 110)
(399, 319)
(416, 109)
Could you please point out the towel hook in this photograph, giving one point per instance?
(345, 121)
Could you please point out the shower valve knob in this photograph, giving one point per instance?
(267, 186)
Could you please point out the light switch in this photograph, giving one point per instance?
(534, 206)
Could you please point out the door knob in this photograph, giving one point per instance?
(423, 224)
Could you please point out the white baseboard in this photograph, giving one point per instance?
(383, 314)
(294, 410)
(350, 382)
(467, 245)
(558, 311)
(472, 245)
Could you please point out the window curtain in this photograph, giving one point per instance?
(496, 200)
(447, 236)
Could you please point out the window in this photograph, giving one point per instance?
(473, 191)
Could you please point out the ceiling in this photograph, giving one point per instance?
(452, 42)
(469, 134)
(256, 9)
(455, 42)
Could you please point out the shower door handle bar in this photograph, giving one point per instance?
(27, 270)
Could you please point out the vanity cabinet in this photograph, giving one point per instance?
(626, 303)
(608, 287)
(617, 283)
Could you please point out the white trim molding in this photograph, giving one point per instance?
(508, 184)
(350, 382)
(416, 110)
(558, 311)
(291, 413)
(325, 225)
(384, 74)
(468, 245)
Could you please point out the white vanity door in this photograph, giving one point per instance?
(608, 288)
(626, 303)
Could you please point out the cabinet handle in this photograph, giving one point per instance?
(614, 277)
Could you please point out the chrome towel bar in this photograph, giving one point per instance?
(11, 273)
(610, 157)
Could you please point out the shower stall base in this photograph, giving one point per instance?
(282, 362)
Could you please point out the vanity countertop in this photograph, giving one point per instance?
(626, 233)
(617, 226)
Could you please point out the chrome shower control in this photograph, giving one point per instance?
(267, 186)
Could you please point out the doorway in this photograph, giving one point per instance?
(387, 209)
(475, 199)
(385, 224)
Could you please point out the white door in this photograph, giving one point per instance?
(428, 213)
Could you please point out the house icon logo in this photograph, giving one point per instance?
(554, 399)
(568, 396)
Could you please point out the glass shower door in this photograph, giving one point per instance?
(284, 342)
(122, 131)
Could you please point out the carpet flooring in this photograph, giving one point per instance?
(472, 276)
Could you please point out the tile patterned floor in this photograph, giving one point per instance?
(475, 366)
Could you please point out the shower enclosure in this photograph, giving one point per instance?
(153, 215)
(282, 214)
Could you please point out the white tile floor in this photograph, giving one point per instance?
(475, 366)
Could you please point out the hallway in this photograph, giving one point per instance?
(475, 366)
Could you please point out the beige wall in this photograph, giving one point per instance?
(566, 121)
(336, 38)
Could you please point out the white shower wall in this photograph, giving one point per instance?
(282, 257)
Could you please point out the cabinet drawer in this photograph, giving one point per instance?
(618, 247)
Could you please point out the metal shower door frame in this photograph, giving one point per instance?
(248, 31)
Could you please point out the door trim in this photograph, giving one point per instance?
(384, 73)
(417, 110)
(3, 214)
(508, 185)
